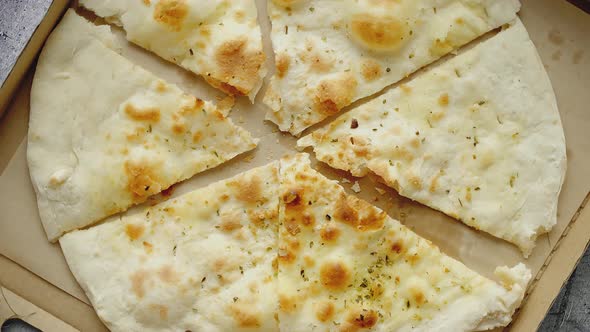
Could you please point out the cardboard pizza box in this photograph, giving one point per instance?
(35, 270)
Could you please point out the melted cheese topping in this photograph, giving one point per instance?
(219, 40)
(344, 265)
(117, 134)
(478, 138)
(204, 261)
(340, 51)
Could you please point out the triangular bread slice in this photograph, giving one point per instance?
(217, 39)
(478, 138)
(331, 53)
(344, 265)
(105, 134)
(205, 261)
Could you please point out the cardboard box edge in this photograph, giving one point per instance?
(551, 279)
(543, 290)
(48, 297)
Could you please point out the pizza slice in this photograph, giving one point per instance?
(329, 54)
(344, 265)
(205, 261)
(478, 138)
(219, 40)
(105, 134)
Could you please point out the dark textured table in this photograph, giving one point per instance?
(571, 310)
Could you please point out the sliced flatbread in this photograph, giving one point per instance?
(205, 261)
(330, 53)
(217, 39)
(478, 138)
(105, 134)
(344, 265)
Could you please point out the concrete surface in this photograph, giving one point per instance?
(18, 21)
(571, 310)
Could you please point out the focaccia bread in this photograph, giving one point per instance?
(478, 138)
(217, 39)
(331, 53)
(205, 261)
(105, 134)
(344, 265)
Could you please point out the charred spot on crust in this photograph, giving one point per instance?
(397, 247)
(364, 320)
(293, 197)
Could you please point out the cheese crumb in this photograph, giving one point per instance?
(356, 187)
(380, 191)
(345, 180)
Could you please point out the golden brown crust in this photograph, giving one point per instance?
(362, 320)
(133, 231)
(249, 190)
(167, 274)
(330, 232)
(335, 276)
(325, 311)
(287, 3)
(283, 62)
(237, 67)
(171, 13)
(331, 96)
(138, 280)
(443, 100)
(371, 70)
(230, 222)
(142, 181)
(378, 33)
(244, 316)
(286, 303)
(150, 114)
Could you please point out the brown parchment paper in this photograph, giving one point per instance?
(561, 33)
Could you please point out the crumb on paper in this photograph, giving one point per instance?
(380, 191)
(345, 180)
(249, 158)
(356, 187)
